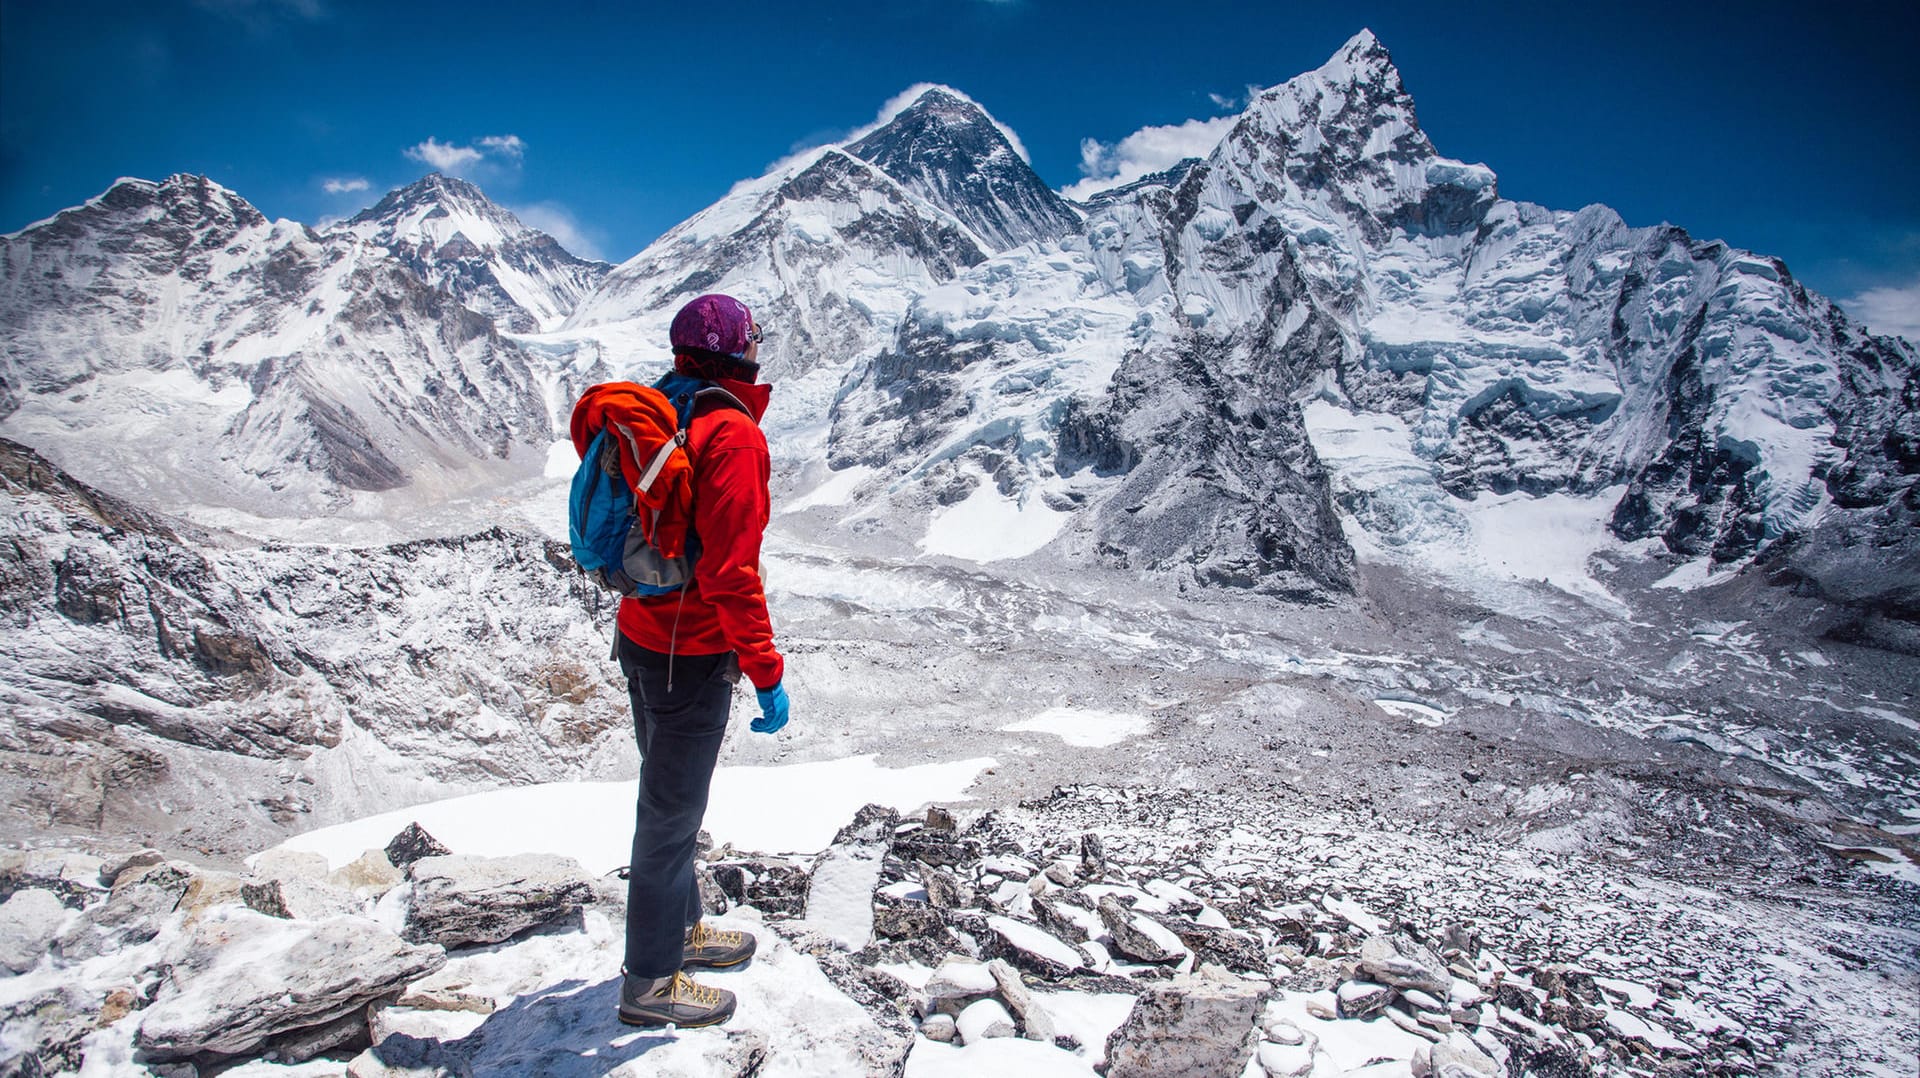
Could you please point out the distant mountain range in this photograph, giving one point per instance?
(1130, 375)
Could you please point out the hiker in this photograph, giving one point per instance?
(683, 653)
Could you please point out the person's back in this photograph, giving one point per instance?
(682, 654)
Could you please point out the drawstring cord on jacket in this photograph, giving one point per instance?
(673, 640)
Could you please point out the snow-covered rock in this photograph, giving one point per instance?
(456, 900)
(242, 978)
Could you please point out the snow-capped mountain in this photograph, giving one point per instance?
(447, 231)
(1325, 252)
(166, 341)
(946, 149)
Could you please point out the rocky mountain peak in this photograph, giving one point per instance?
(945, 148)
(457, 239)
(433, 209)
(183, 205)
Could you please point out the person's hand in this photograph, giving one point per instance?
(773, 709)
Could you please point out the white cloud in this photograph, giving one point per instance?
(458, 160)
(504, 145)
(1891, 310)
(1148, 150)
(560, 223)
(341, 187)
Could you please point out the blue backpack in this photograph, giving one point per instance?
(609, 538)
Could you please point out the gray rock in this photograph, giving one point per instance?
(29, 923)
(1035, 1023)
(142, 899)
(1402, 963)
(299, 898)
(1363, 999)
(1190, 1027)
(940, 1027)
(944, 889)
(961, 978)
(458, 900)
(241, 979)
(1138, 936)
(412, 844)
(1028, 947)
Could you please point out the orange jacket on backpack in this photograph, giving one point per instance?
(724, 608)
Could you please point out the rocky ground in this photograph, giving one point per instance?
(1140, 931)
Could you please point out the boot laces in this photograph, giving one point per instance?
(701, 935)
(687, 990)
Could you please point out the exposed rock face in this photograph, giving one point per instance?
(948, 151)
(139, 653)
(458, 900)
(243, 978)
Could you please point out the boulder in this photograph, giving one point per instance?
(1403, 963)
(940, 1027)
(458, 900)
(1189, 1027)
(984, 1019)
(1363, 999)
(29, 923)
(1030, 948)
(412, 844)
(961, 978)
(1138, 936)
(241, 979)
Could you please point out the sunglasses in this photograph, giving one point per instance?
(754, 335)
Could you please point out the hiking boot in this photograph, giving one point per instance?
(676, 1000)
(716, 948)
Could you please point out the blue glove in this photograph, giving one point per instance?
(773, 709)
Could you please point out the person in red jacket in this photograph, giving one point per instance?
(682, 654)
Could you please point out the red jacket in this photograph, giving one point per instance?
(724, 608)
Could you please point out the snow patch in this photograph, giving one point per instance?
(1084, 727)
(793, 809)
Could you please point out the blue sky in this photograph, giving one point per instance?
(607, 123)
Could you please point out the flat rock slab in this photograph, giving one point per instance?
(243, 978)
(1402, 963)
(462, 899)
